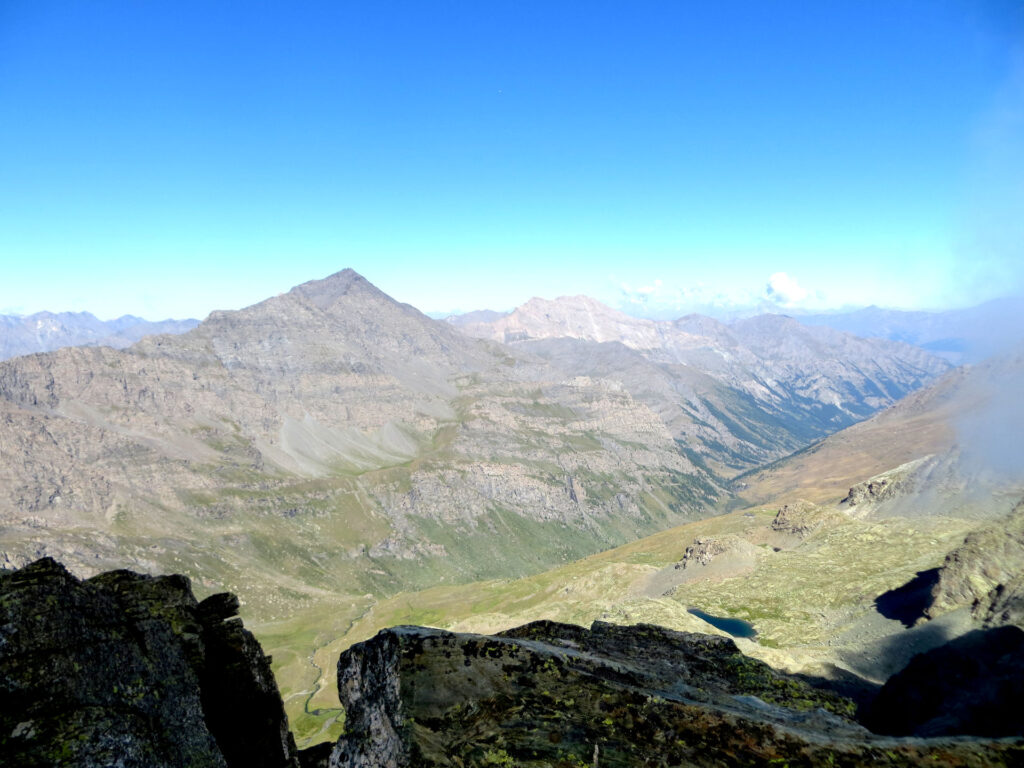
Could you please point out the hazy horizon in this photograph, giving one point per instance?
(633, 309)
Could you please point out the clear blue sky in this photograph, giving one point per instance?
(170, 158)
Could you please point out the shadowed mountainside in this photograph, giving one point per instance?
(131, 670)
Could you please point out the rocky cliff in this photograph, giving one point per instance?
(131, 670)
(986, 572)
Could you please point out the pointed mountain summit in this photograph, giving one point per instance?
(323, 293)
(577, 317)
(340, 324)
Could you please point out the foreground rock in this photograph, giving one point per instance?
(555, 695)
(801, 519)
(131, 670)
(128, 670)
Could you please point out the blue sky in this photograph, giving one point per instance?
(168, 159)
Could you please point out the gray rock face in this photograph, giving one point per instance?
(131, 670)
(802, 518)
(1004, 604)
(549, 694)
(985, 572)
(706, 549)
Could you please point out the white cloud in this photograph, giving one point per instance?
(784, 290)
(658, 300)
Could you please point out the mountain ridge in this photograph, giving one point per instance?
(330, 404)
(740, 394)
(47, 331)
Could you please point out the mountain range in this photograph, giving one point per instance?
(881, 541)
(408, 452)
(736, 395)
(47, 331)
(339, 460)
(965, 335)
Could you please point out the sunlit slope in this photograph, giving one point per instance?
(922, 424)
(812, 602)
(736, 396)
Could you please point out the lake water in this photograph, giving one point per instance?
(735, 627)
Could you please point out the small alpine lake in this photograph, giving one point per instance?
(735, 627)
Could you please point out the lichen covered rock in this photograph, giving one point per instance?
(800, 519)
(130, 670)
(555, 695)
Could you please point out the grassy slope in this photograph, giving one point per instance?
(799, 599)
(917, 426)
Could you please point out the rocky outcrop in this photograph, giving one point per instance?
(872, 491)
(549, 694)
(984, 572)
(1004, 604)
(971, 685)
(706, 548)
(131, 670)
(800, 519)
(907, 479)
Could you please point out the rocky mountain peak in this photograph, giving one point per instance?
(576, 317)
(336, 294)
(324, 293)
(341, 323)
